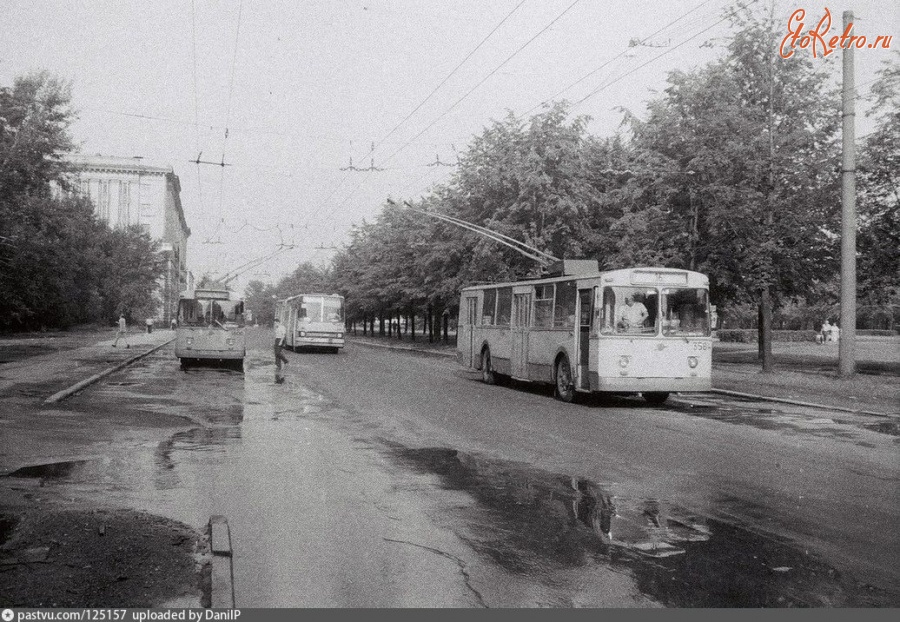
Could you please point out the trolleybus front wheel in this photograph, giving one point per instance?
(565, 385)
(655, 397)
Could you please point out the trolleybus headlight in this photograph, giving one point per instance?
(302, 334)
(340, 335)
(190, 341)
(692, 362)
(231, 342)
(623, 362)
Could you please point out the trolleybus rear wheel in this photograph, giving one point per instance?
(655, 397)
(487, 370)
(565, 386)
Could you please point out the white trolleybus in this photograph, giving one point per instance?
(210, 328)
(637, 330)
(314, 321)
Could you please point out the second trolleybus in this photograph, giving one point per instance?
(313, 321)
(210, 327)
(631, 331)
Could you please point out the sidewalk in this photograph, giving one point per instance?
(48, 363)
(804, 372)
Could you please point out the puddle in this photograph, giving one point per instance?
(885, 427)
(7, 527)
(51, 470)
(535, 523)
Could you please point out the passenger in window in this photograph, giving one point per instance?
(632, 314)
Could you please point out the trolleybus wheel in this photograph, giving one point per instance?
(655, 397)
(565, 386)
(184, 364)
(487, 370)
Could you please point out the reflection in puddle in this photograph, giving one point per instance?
(535, 523)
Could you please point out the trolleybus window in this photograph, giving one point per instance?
(202, 312)
(564, 311)
(504, 305)
(685, 312)
(543, 305)
(629, 310)
(488, 308)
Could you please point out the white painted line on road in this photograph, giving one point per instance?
(75, 388)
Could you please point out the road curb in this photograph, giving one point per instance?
(75, 388)
(404, 349)
(782, 400)
(221, 590)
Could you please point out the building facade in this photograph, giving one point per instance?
(133, 191)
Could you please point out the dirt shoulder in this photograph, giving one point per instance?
(61, 552)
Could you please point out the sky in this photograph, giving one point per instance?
(293, 95)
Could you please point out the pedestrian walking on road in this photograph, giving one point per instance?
(280, 358)
(149, 323)
(122, 332)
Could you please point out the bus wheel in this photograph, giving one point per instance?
(487, 370)
(565, 386)
(655, 397)
(185, 364)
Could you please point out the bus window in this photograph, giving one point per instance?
(685, 312)
(543, 305)
(504, 305)
(629, 310)
(564, 311)
(488, 307)
(334, 309)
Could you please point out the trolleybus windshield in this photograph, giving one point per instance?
(203, 312)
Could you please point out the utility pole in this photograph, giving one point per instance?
(847, 344)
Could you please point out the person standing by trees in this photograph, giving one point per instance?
(122, 332)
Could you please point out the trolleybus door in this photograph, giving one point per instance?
(585, 313)
(521, 316)
(467, 330)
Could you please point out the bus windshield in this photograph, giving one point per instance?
(685, 312)
(204, 312)
(628, 310)
(319, 309)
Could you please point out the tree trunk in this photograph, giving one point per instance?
(765, 314)
(446, 317)
(429, 323)
(412, 323)
(381, 324)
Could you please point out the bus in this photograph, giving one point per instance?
(210, 328)
(632, 331)
(312, 321)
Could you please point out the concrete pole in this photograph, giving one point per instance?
(847, 348)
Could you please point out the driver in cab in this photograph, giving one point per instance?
(632, 314)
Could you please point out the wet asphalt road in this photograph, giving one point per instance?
(376, 478)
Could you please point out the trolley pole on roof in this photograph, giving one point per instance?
(847, 343)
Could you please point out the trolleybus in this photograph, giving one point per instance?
(312, 321)
(632, 331)
(210, 327)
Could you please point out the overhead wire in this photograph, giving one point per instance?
(461, 99)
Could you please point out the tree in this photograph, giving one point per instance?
(132, 265)
(879, 196)
(755, 201)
